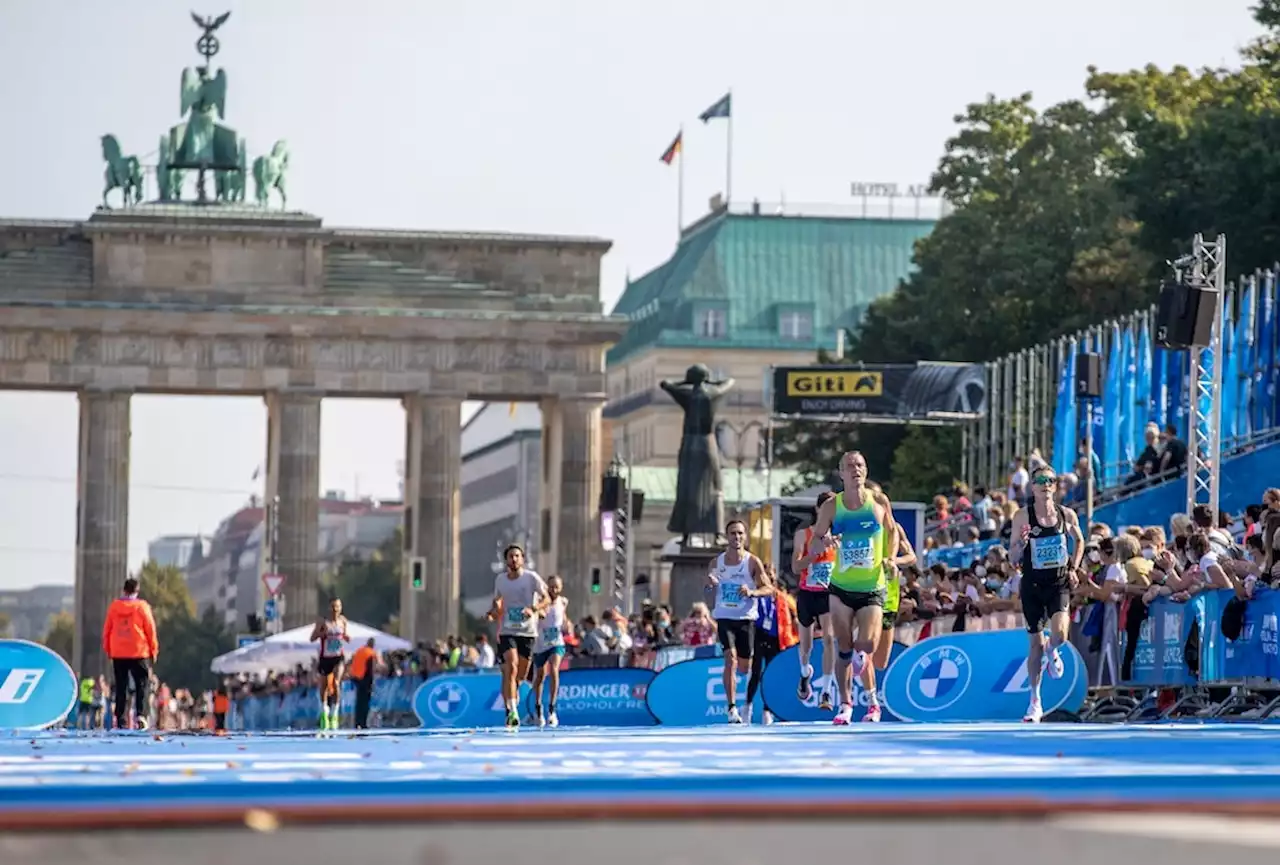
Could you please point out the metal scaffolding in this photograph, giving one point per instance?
(1206, 267)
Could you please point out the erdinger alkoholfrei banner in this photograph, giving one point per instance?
(919, 391)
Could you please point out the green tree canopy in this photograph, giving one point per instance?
(61, 636)
(188, 643)
(369, 588)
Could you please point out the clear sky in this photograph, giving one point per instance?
(517, 115)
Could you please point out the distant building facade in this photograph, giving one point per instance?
(177, 551)
(29, 610)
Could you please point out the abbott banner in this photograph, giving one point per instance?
(938, 391)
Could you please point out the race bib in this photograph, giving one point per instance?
(856, 553)
(820, 574)
(551, 636)
(1049, 552)
(515, 616)
(333, 646)
(732, 595)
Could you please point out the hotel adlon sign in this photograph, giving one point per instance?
(940, 391)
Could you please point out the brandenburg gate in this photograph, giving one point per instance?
(217, 296)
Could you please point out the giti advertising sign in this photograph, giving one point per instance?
(942, 391)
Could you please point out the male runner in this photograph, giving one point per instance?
(1049, 573)
(857, 527)
(903, 555)
(737, 579)
(332, 634)
(519, 597)
(548, 651)
(814, 572)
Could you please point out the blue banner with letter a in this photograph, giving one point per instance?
(37, 688)
(691, 693)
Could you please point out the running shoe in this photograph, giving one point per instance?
(766, 718)
(513, 718)
(805, 689)
(844, 716)
(1034, 712)
(873, 714)
(552, 720)
(1053, 664)
(827, 700)
(734, 717)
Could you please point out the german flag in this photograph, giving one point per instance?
(669, 156)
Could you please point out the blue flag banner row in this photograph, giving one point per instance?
(1145, 383)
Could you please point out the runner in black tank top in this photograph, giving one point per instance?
(1049, 564)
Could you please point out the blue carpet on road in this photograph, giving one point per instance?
(886, 763)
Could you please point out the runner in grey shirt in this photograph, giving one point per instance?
(519, 597)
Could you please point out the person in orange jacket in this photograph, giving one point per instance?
(129, 640)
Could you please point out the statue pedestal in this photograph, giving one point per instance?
(689, 568)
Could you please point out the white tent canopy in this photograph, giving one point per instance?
(287, 650)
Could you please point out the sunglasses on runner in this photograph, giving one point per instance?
(1044, 480)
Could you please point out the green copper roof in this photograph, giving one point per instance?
(758, 266)
(659, 484)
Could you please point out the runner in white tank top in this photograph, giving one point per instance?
(548, 650)
(737, 579)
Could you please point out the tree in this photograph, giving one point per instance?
(187, 643)
(925, 463)
(1040, 244)
(61, 635)
(369, 588)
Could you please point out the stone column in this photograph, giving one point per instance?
(293, 466)
(433, 509)
(575, 500)
(102, 530)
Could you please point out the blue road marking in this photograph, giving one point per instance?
(785, 762)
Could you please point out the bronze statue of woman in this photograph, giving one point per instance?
(699, 507)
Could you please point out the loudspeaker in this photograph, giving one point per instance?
(610, 493)
(1088, 375)
(1184, 316)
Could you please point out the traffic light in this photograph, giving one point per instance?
(595, 581)
(417, 574)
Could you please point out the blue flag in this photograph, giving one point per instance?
(1129, 429)
(1110, 450)
(722, 108)
(1064, 417)
(1143, 406)
(1265, 367)
(1230, 397)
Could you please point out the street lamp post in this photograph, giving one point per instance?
(764, 455)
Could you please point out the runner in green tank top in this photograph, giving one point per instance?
(858, 526)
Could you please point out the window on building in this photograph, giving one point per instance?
(711, 323)
(795, 325)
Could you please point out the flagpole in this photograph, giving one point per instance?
(680, 186)
(728, 158)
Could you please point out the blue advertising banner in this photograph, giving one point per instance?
(462, 700)
(37, 688)
(978, 676)
(782, 678)
(691, 693)
(601, 698)
(1158, 657)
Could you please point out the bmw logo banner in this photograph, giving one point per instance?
(691, 693)
(462, 700)
(37, 688)
(600, 698)
(782, 678)
(979, 676)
